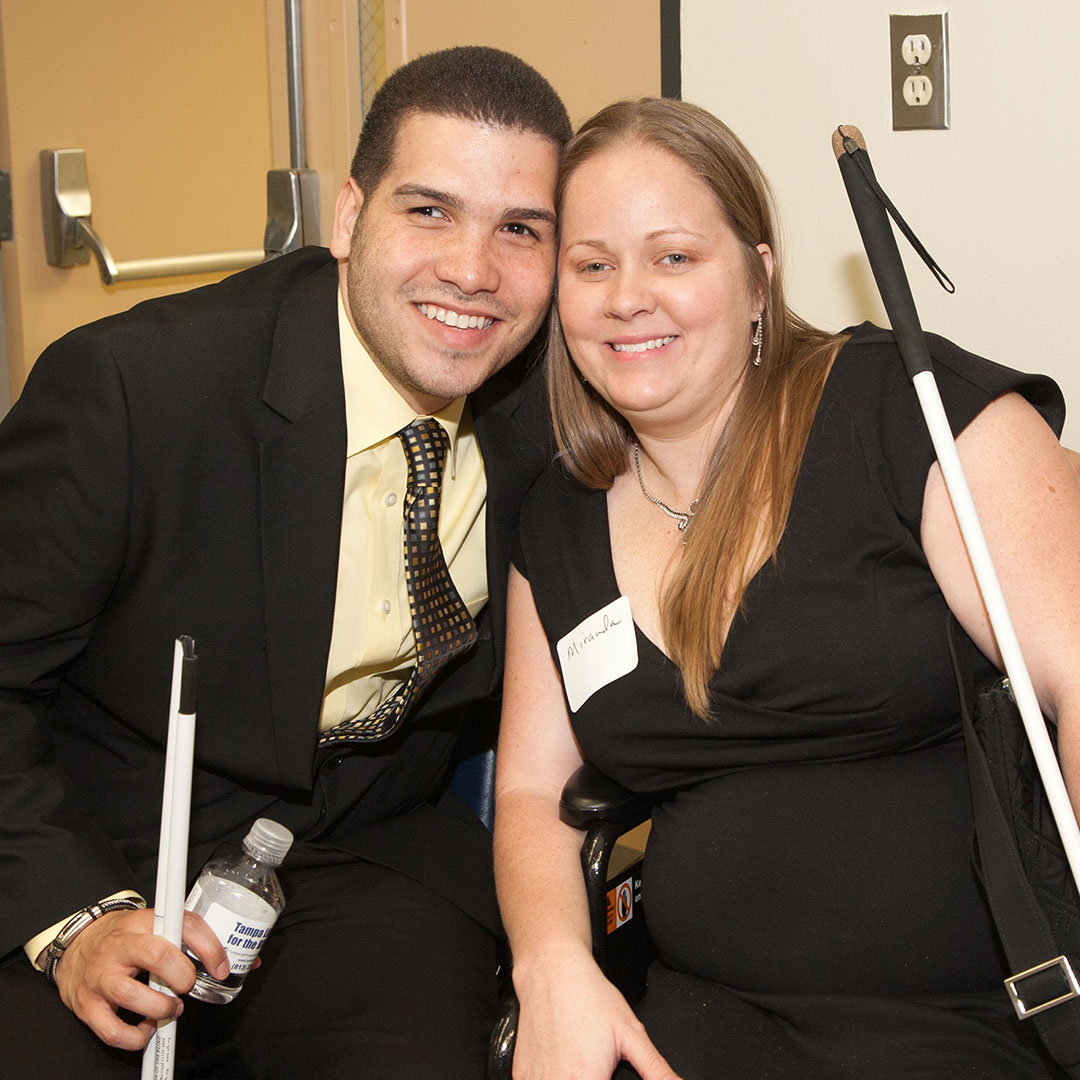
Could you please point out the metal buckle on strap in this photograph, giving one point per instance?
(1024, 1010)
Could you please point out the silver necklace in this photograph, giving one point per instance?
(682, 517)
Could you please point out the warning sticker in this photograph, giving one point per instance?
(620, 905)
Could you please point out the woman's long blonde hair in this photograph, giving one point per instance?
(748, 486)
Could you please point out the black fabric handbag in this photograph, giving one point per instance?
(1020, 860)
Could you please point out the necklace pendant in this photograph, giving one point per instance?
(682, 517)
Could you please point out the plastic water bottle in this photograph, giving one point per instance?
(239, 896)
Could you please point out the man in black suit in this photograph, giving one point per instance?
(225, 463)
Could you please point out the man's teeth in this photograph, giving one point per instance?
(455, 318)
(644, 346)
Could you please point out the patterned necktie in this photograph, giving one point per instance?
(442, 625)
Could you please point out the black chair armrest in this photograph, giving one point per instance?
(500, 1060)
(589, 797)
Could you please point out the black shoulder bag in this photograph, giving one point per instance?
(1020, 860)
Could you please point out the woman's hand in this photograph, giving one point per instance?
(575, 1025)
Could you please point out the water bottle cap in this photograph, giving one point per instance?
(268, 841)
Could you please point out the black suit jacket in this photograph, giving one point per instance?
(179, 469)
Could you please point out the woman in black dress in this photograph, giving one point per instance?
(731, 594)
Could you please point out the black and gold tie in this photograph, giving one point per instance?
(442, 625)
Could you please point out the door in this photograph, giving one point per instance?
(172, 105)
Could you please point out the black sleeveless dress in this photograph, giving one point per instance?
(808, 881)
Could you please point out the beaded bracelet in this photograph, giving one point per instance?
(78, 923)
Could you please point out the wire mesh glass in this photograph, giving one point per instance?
(372, 49)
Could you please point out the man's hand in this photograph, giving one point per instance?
(98, 974)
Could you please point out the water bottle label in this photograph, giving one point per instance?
(242, 936)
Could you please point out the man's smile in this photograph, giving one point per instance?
(455, 318)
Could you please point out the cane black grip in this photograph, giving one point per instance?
(884, 257)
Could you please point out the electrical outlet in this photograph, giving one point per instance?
(916, 49)
(918, 90)
(919, 53)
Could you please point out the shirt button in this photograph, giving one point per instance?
(390, 498)
(384, 607)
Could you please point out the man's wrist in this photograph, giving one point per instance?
(36, 946)
(78, 923)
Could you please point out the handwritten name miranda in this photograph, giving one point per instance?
(576, 647)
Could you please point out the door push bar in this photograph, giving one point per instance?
(292, 221)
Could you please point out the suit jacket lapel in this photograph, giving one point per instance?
(302, 469)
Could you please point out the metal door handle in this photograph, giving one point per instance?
(70, 238)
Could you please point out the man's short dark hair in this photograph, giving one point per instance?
(472, 82)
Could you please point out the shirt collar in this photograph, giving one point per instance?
(374, 410)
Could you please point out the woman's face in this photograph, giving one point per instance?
(653, 291)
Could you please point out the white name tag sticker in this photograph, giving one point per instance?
(599, 650)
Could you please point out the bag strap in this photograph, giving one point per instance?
(1042, 975)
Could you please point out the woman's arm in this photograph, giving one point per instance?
(1028, 500)
(573, 1021)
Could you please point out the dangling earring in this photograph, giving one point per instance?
(758, 337)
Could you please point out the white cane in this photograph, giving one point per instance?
(892, 283)
(159, 1054)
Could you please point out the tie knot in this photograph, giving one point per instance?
(426, 443)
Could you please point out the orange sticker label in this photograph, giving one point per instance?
(620, 905)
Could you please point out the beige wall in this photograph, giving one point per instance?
(592, 52)
(171, 105)
(993, 199)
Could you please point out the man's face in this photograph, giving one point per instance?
(450, 260)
